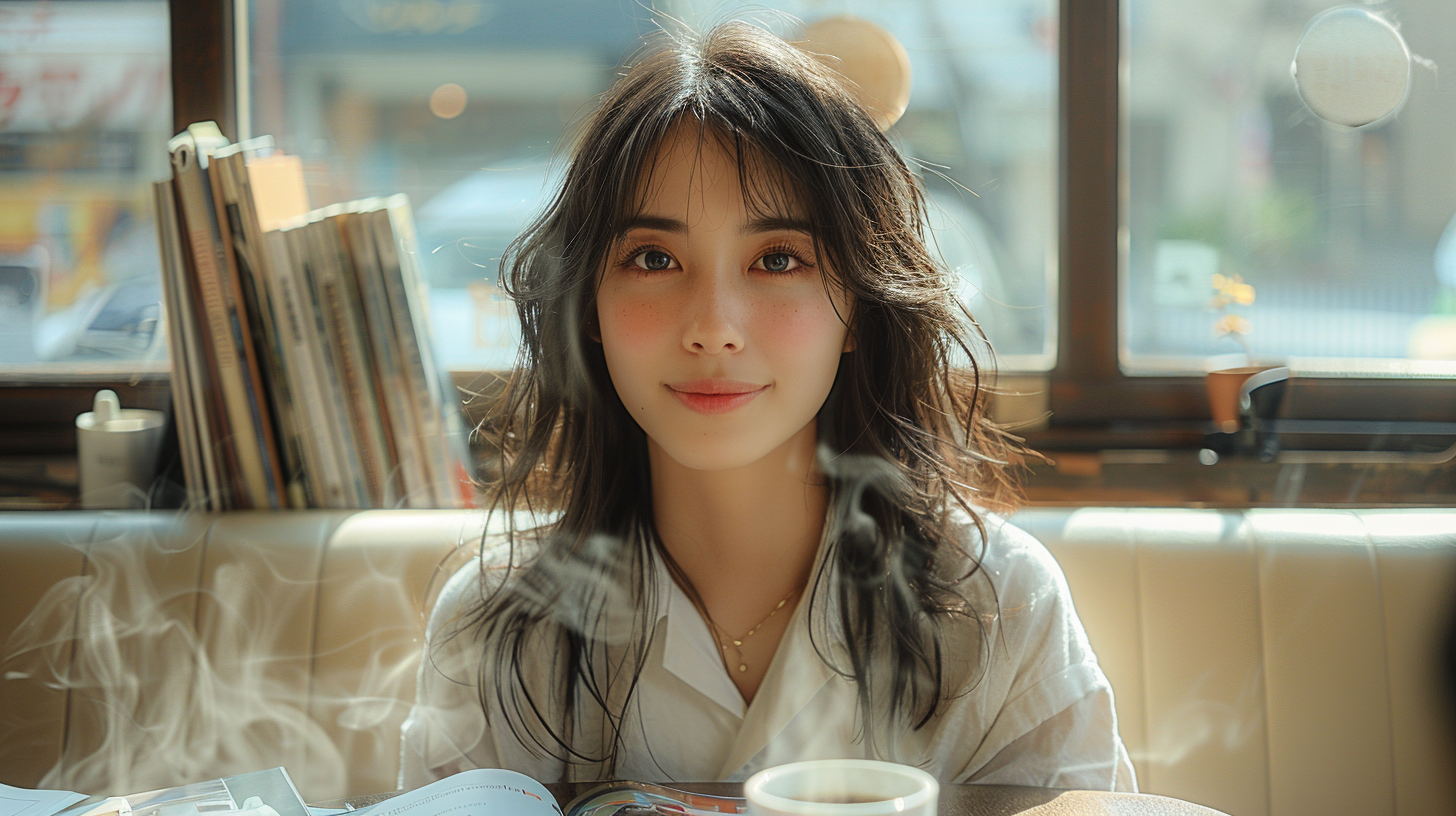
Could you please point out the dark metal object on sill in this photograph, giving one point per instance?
(1307, 441)
(1259, 401)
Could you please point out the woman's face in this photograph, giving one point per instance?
(701, 292)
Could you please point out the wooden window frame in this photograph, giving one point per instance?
(37, 415)
(1093, 403)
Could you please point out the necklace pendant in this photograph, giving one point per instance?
(737, 643)
(743, 667)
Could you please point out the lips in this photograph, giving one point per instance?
(729, 395)
(715, 387)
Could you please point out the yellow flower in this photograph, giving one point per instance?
(1242, 293)
(1232, 324)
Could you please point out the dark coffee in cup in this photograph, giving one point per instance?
(839, 787)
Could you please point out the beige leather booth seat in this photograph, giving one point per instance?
(1264, 661)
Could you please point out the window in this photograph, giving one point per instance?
(462, 104)
(85, 113)
(1100, 205)
(1327, 240)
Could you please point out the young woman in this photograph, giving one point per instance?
(764, 491)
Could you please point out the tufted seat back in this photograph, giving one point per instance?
(1264, 661)
(1272, 661)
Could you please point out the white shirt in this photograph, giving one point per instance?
(1041, 714)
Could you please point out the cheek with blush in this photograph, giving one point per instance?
(632, 325)
(804, 325)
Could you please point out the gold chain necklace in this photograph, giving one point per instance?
(736, 644)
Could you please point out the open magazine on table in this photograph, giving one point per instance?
(479, 792)
(260, 793)
(495, 792)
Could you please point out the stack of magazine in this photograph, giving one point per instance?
(302, 367)
(483, 791)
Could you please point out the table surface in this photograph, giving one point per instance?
(955, 800)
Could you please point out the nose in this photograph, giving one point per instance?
(714, 315)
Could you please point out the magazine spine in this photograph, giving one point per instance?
(350, 366)
(189, 436)
(241, 321)
(311, 421)
(208, 393)
(401, 426)
(302, 244)
(398, 249)
(240, 223)
(359, 362)
(247, 482)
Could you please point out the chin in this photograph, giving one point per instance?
(726, 453)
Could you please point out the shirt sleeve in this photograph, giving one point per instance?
(1078, 747)
(1046, 713)
(445, 730)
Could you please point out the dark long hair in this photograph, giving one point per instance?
(903, 436)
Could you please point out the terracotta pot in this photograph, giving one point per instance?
(1223, 394)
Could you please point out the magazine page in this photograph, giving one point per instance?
(28, 802)
(481, 792)
(644, 799)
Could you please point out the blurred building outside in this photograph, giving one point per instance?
(465, 106)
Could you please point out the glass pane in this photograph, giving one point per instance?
(85, 113)
(461, 104)
(1257, 230)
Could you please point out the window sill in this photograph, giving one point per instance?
(1177, 478)
(1118, 478)
(39, 483)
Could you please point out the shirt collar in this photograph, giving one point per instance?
(689, 650)
(691, 653)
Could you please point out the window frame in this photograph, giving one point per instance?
(38, 412)
(1093, 404)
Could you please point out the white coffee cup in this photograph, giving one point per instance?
(842, 787)
(117, 452)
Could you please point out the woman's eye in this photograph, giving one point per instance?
(653, 260)
(778, 262)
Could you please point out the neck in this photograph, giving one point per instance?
(747, 532)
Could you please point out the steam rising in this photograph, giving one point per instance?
(170, 685)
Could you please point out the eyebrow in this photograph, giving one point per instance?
(753, 227)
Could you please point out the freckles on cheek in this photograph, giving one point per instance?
(802, 324)
(635, 324)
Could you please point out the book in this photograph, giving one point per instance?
(238, 295)
(497, 792)
(230, 353)
(402, 431)
(180, 325)
(303, 368)
(338, 436)
(268, 792)
(405, 289)
(273, 193)
(29, 802)
(237, 215)
(234, 405)
(477, 792)
(297, 341)
(339, 304)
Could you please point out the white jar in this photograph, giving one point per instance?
(117, 452)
